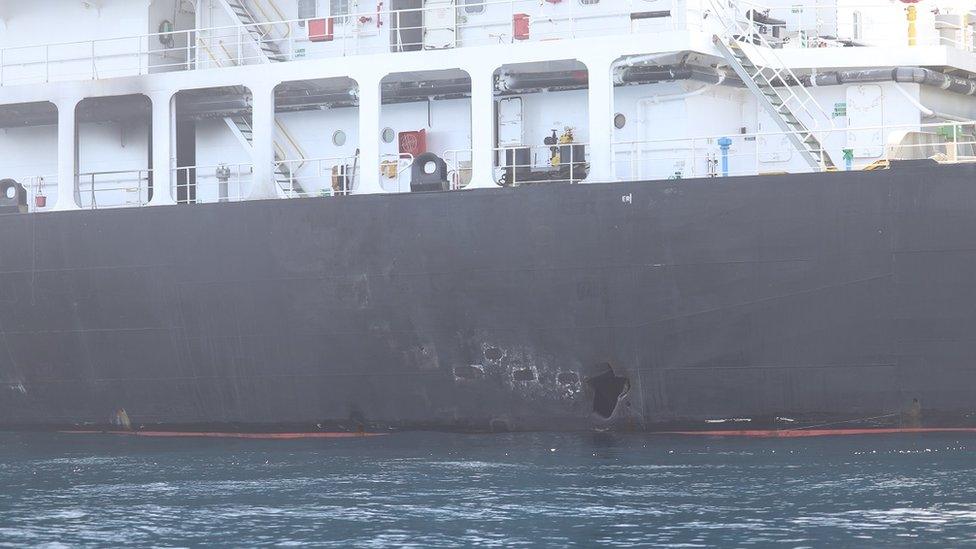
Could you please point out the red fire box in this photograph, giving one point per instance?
(320, 30)
(520, 26)
(414, 143)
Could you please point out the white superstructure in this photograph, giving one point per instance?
(109, 103)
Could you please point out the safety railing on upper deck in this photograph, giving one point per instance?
(524, 165)
(716, 156)
(459, 167)
(212, 183)
(851, 24)
(114, 189)
(368, 32)
(337, 175)
(41, 191)
(771, 152)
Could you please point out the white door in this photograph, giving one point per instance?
(440, 24)
(865, 109)
(510, 128)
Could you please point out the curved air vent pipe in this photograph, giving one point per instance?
(908, 75)
(531, 81)
(638, 74)
(649, 74)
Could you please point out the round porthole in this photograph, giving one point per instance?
(339, 138)
(619, 121)
(388, 135)
(11, 192)
(430, 167)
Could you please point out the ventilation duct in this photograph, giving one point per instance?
(905, 75)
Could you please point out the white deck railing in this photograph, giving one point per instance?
(114, 189)
(143, 54)
(803, 27)
(715, 156)
(212, 183)
(41, 191)
(770, 153)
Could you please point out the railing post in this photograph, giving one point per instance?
(639, 153)
(139, 58)
(571, 159)
(195, 49)
(757, 155)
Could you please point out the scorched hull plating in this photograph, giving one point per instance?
(782, 300)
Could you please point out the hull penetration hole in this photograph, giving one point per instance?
(607, 388)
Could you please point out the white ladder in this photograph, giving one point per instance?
(259, 32)
(284, 175)
(776, 87)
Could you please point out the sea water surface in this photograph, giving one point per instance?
(528, 490)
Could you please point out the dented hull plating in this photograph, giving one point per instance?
(841, 299)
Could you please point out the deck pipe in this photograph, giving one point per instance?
(905, 75)
(725, 143)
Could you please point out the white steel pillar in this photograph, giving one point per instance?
(67, 154)
(262, 143)
(601, 118)
(482, 128)
(162, 148)
(370, 103)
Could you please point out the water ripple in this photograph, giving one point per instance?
(532, 490)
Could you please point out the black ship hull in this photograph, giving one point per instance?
(844, 299)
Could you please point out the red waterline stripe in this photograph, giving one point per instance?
(798, 433)
(193, 434)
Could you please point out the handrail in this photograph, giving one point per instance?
(404, 162)
(691, 152)
(958, 146)
(271, 21)
(628, 9)
(404, 159)
(34, 185)
(210, 52)
(729, 18)
(281, 127)
(141, 175)
(46, 54)
(953, 123)
(327, 163)
(206, 176)
(291, 139)
(290, 23)
(800, 10)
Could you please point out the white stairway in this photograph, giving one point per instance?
(775, 86)
(259, 32)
